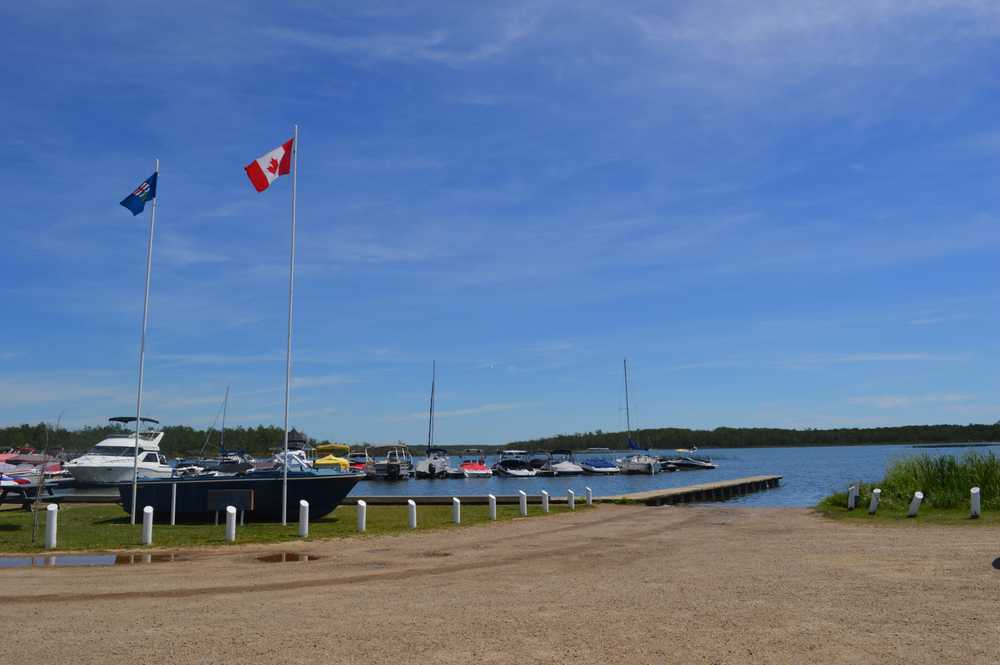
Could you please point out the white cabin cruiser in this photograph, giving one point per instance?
(111, 460)
(563, 463)
(514, 463)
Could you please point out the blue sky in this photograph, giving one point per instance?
(783, 217)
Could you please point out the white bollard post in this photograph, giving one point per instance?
(51, 525)
(974, 503)
(412, 507)
(852, 497)
(147, 525)
(456, 510)
(873, 506)
(493, 508)
(303, 518)
(173, 504)
(571, 499)
(590, 497)
(915, 504)
(362, 516)
(230, 524)
(524, 503)
(545, 501)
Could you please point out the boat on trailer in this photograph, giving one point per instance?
(256, 493)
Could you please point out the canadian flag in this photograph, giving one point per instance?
(264, 170)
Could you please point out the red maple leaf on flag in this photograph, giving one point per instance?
(273, 166)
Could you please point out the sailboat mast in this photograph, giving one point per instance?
(225, 407)
(628, 419)
(430, 424)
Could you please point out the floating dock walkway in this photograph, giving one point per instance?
(717, 491)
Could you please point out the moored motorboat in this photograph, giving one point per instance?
(563, 463)
(434, 465)
(514, 464)
(361, 461)
(688, 463)
(598, 461)
(473, 464)
(112, 459)
(396, 465)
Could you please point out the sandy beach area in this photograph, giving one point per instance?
(616, 584)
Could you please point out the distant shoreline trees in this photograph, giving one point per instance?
(181, 440)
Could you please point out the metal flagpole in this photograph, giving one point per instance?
(222, 435)
(288, 350)
(430, 424)
(142, 343)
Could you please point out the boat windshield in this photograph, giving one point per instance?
(112, 451)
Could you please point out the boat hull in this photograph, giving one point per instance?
(195, 496)
(113, 473)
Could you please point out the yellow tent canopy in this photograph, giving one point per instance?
(331, 460)
(340, 449)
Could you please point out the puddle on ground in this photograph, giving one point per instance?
(436, 554)
(68, 560)
(287, 557)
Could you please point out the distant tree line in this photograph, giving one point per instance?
(182, 441)
(751, 437)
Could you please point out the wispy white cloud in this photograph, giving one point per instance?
(821, 360)
(900, 401)
(471, 411)
(211, 358)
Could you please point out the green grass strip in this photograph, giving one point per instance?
(106, 527)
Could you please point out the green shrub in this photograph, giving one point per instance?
(945, 482)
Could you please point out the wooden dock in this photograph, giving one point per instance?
(717, 491)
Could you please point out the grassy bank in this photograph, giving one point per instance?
(101, 528)
(945, 482)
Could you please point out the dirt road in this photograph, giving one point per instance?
(617, 584)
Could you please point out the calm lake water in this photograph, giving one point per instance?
(810, 473)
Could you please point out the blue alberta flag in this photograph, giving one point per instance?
(136, 201)
(633, 445)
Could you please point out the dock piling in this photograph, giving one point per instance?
(590, 496)
(571, 499)
(362, 516)
(545, 501)
(173, 504)
(915, 504)
(51, 525)
(412, 509)
(147, 525)
(456, 510)
(852, 497)
(493, 507)
(524, 502)
(303, 518)
(230, 524)
(974, 503)
(873, 505)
